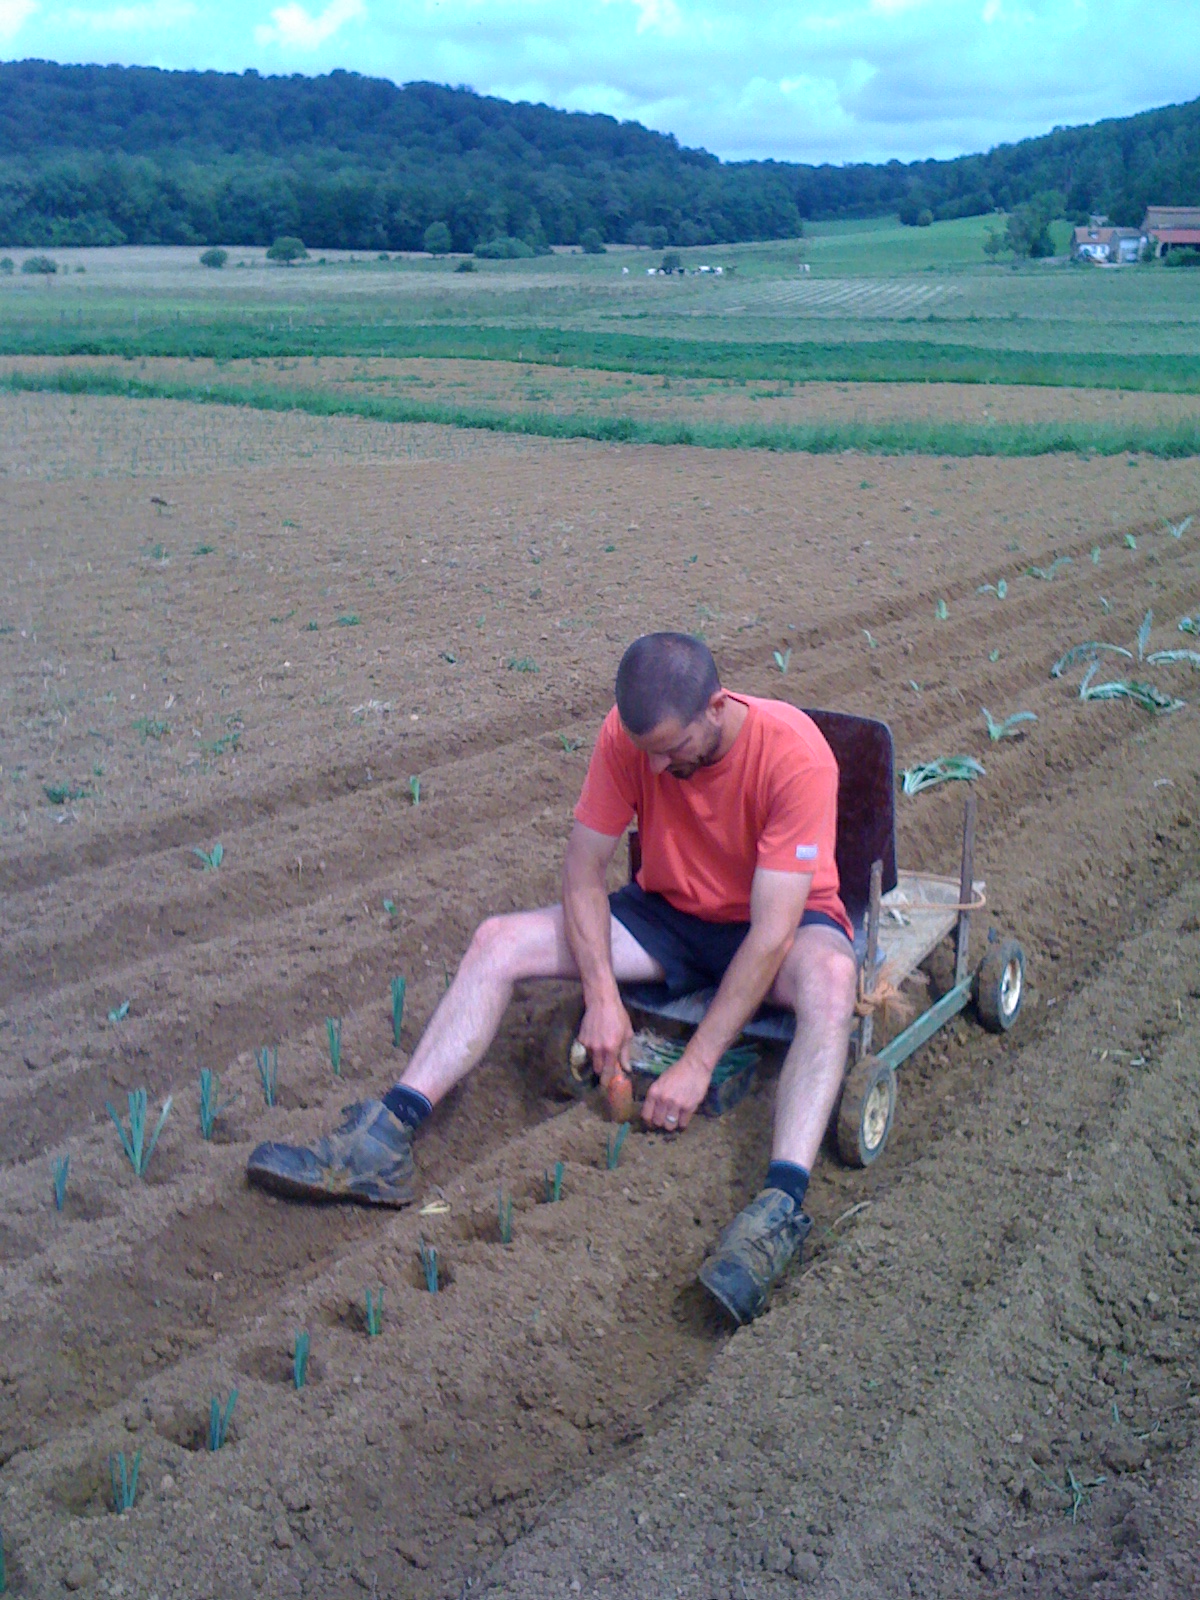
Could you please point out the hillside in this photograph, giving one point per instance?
(111, 155)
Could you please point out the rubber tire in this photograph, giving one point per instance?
(858, 1146)
(562, 1026)
(996, 1010)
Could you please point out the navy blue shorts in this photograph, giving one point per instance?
(692, 953)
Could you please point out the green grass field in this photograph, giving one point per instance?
(878, 302)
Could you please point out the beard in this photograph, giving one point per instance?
(687, 769)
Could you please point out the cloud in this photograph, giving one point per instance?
(13, 16)
(132, 19)
(292, 26)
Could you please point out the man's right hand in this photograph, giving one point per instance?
(605, 1033)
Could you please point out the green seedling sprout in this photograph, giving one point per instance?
(390, 907)
(348, 619)
(554, 1184)
(1143, 635)
(1190, 624)
(300, 1360)
(429, 1266)
(872, 641)
(218, 1420)
(268, 1072)
(414, 791)
(612, 1153)
(783, 659)
(60, 794)
(374, 1313)
(398, 987)
(1086, 652)
(944, 769)
(1142, 694)
(1130, 542)
(504, 1216)
(1009, 728)
(1000, 590)
(1178, 529)
(1047, 573)
(1095, 555)
(211, 1104)
(333, 1032)
(942, 610)
(1166, 658)
(118, 1013)
(134, 1141)
(523, 664)
(124, 1487)
(569, 745)
(60, 1170)
(993, 655)
(210, 859)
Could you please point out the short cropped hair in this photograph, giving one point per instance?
(664, 675)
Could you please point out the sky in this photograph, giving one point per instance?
(811, 80)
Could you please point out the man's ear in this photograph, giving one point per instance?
(717, 702)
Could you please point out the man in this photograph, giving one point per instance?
(736, 804)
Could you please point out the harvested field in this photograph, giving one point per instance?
(259, 639)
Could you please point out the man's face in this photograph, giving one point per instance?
(682, 749)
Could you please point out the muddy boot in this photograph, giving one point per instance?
(368, 1159)
(752, 1253)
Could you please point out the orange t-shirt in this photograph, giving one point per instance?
(770, 801)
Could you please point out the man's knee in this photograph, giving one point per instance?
(823, 981)
(519, 944)
(494, 942)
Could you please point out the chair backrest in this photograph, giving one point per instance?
(866, 823)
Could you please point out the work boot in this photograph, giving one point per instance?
(368, 1159)
(753, 1252)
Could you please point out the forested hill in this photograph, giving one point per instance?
(110, 155)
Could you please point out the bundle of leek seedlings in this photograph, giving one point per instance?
(651, 1055)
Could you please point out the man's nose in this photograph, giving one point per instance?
(659, 763)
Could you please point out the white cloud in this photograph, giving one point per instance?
(13, 15)
(293, 27)
(657, 16)
(132, 19)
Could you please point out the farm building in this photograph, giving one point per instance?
(1166, 227)
(1105, 244)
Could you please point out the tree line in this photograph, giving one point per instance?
(113, 155)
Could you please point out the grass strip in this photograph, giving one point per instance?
(879, 438)
(179, 332)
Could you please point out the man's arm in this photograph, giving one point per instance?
(606, 1028)
(777, 901)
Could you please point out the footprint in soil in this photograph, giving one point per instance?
(84, 1490)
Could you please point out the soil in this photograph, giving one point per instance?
(984, 1375)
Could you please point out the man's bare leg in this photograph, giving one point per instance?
(818, 981)
(525, 944)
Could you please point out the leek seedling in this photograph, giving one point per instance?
(783, 659)
(300, 1360)
(211, 1105)
(504, 1216)
(554, 1184)
(993, 656)
(124, 1487)
(374, 1313)
(651, 1055)
(1178, 529)
(333, 1032)
(1085, 652)
(268, 1072)
(1047, 573)
(118, 1013)
(1164, 658)
(945, 769)
(1009, 728)
(1000, 590)
(134, 1141)
(943, 610)
(218, 1420)
(1143, 635)
(398, 988)
(872, 641)
(414, 791)
(1142, 694)
(429, 1266)
(210, 859)
(569, 745)
(390, 907)
(612, 1152)
(1095, 555)
(1190, 624)
(1130, 542)
(61, 1168)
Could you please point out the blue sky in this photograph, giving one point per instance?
(811, 80)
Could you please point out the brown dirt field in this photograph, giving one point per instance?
(507, 386)
(1010, 1296)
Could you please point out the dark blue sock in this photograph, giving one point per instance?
(410, 1105)
(789, 1176)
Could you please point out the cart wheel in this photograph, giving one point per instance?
(566, 1067)
(865, 1111)
(1000, 986)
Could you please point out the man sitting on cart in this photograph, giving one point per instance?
(736, 806)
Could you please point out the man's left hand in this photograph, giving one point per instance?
(674, 1098)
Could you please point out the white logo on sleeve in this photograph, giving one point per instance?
(806, 852)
